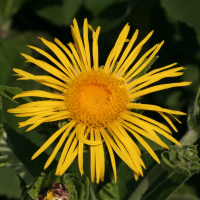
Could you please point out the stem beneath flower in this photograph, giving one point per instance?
(191, 136)
(91, 193)
(147, 182)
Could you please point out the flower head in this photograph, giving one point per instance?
(100, 103)
(56, 192)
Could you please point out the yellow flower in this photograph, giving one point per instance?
(98, 102)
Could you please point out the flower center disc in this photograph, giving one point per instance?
(96, 98)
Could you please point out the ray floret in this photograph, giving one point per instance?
(100, 104)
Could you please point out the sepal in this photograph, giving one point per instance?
(182, 159)
(65, 187)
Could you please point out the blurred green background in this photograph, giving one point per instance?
(175, 21)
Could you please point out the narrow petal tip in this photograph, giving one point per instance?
(162, 42)
(23, 53)
(56, 40)
(45, 166)
(33, 157)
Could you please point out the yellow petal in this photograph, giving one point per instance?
(148, 135)
(119, 46)
(156, 77)
(126, 52)
(168, 120)
(131, 73)
(80, 150)
(65, 151)
(95, 49)
(114, 50)
(112, 157)
(39, 93)
(150, 121)
(158, 88)
(135, 51)
(144, 144)
(69, 70)
(69, 162)
(71, 154)
(85, 141)
(50, 141)
(55, 117)
(58, 146)
(92, 157)
(86, 43)
(69, 54)
(148, 76)
(153, 108)
(79, 43)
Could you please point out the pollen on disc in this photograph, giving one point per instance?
(96, 98)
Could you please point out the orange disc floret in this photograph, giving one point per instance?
(96, 98)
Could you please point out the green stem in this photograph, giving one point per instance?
(191, 136)
(92, 195)
(146, 182)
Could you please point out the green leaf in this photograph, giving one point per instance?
(38, 182)
(2, 132)
(8, 159)
(5, 155)
(5, 70)
(14, 162)
(86, 184)
(109, 192)
(184, 11)
(126, 183)
(24, 146)
(9, 8)
(69, 181)
(10, 49)
(185, 192)
(4, 159)
(56, 179)
(10, 57)
(81, 192)
(70, 188)
(34, 193)
(10, 92)
(23, 149)
(179, 164)
(97, 6)
(166, 184)
(10, 118)
(64, 13)
(111, 16)
(47, 181)
(9, 183)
